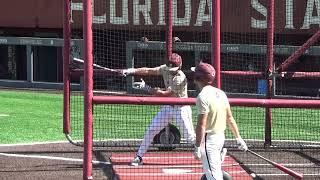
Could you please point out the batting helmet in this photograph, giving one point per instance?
(174, 62)
(204, 72)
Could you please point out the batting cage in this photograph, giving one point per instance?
(266, 56)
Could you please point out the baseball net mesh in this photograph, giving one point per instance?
(132, 34)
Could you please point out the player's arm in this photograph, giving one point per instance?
(235, 130)
(144, 71)
(232, 123)
(162, 92)
(203, 110)
(200, 132)
(201, 128)
(177, 85)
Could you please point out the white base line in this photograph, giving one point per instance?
(52, 158)
(35, 143)
(287, 164)
(4, 115)
(286, 174)
(119, 140)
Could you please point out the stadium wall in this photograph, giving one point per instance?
(296, 21)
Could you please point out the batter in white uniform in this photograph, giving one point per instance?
(175, 86)
(213, 114)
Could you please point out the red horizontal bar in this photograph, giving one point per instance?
(143, 100)
(252, 74)
(140, 100)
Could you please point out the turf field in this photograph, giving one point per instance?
(29, 116)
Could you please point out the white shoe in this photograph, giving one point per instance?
(137, 161)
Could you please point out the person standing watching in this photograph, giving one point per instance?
(214, 114)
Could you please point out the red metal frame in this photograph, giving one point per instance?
(90, 100)
(66, 65)
(88, 89)
(244, 102)
(215, 40)
(270, 58)
(169, 28)
(294, 58)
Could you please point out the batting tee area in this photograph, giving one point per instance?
(172, 165)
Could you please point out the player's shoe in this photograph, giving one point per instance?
(137, 161)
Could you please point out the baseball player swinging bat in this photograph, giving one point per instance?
(95, 65)
(279, 166)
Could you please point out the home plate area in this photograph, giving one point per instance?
(169, 166)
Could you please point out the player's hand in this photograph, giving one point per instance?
(197, 152)
(141, 86)
(241, 144)
(127, 72)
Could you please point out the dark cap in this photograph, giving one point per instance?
(204, 71)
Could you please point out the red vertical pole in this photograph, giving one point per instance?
(66, 65)
(215, 38)
(88, 88)
(169, 27)
(270, 58)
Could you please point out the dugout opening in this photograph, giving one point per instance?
(30, 62)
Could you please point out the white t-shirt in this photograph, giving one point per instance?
(214, 102)
(177, 83)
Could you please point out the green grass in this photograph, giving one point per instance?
(37, 116)
(32, 117)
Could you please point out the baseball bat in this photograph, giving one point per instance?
(95, 65)
(279, 166)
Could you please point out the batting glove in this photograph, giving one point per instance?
(197, 152)
(241, 144)
(127, 72)
(141, 86)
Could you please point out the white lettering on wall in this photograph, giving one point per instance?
(289, 14)
(182, 21)
(255, 23)
(202, 16)
(308, 17)
(162, 16)
(139, 12)
(144, 9)
(124, 11)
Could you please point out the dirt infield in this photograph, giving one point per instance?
(48, 161)
(64, 161)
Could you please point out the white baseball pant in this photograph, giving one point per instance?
(211, 155)
(183, 117)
